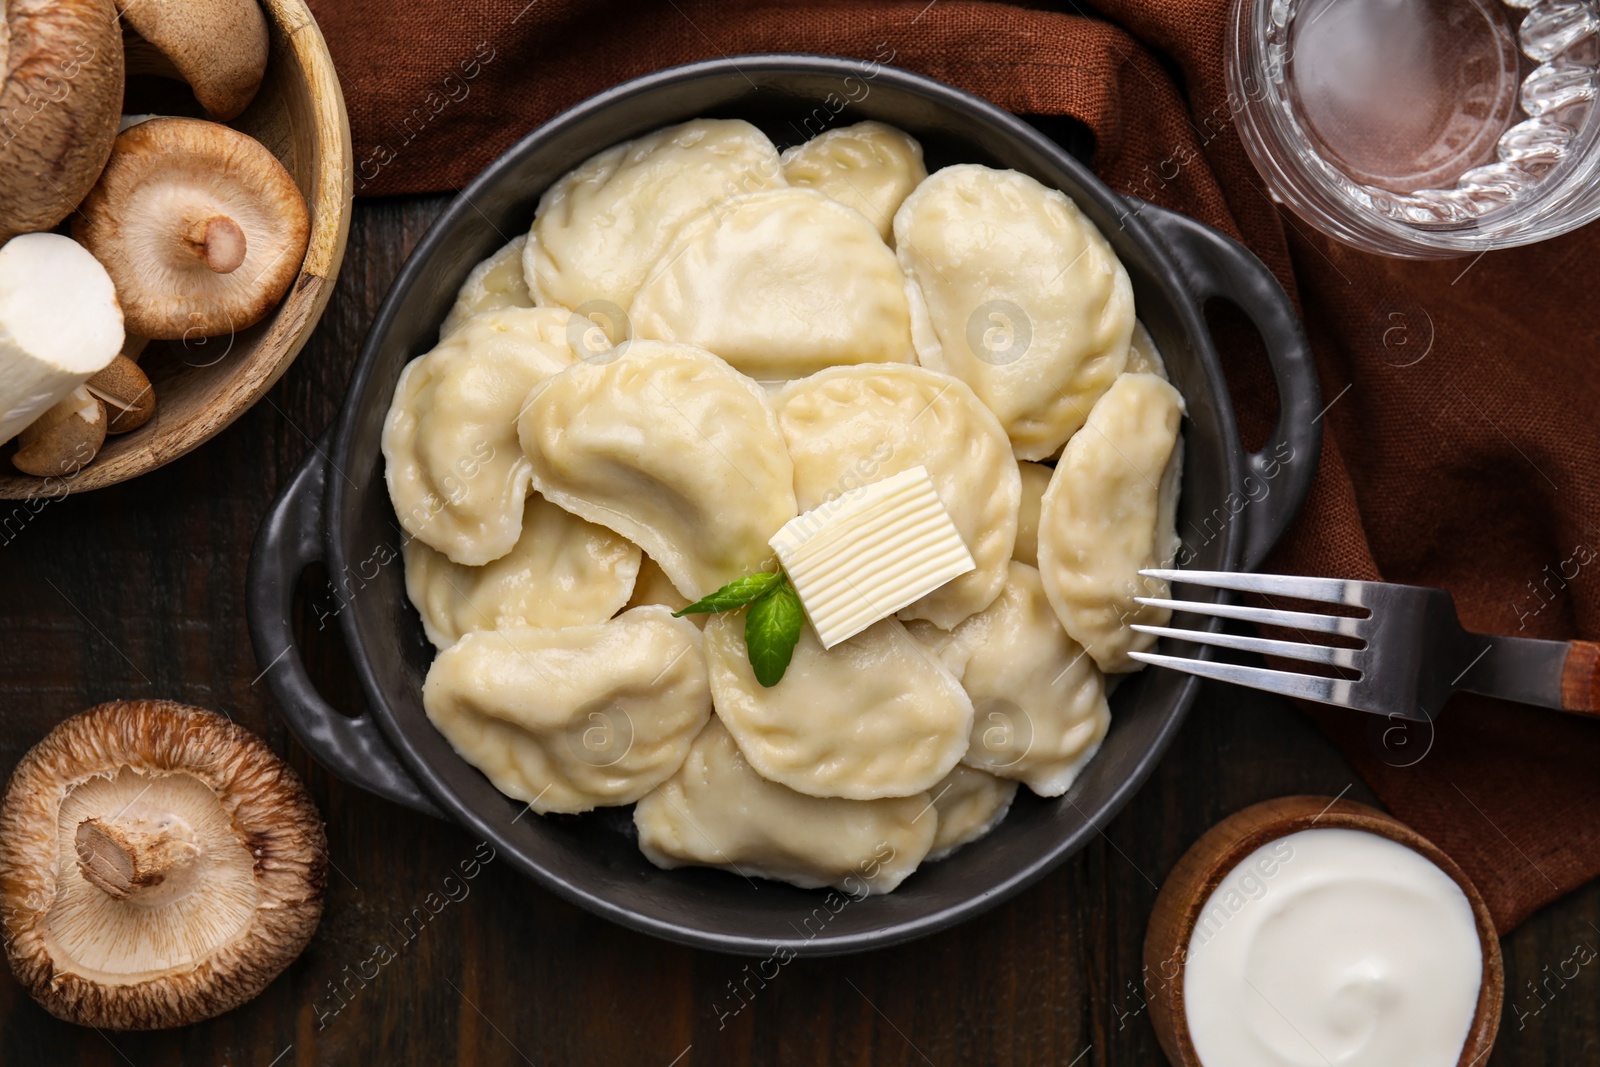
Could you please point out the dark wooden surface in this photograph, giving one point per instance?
(139, 591)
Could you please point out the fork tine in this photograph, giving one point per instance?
(1306, 686)
(1341, 657)
(1294, 620)
(1329, 590)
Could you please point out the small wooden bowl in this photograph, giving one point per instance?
(1222, 848)
(299, 114)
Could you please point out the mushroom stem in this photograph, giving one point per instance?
(122, 858)
(218, 241)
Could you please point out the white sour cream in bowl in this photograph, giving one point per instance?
(1333, 946)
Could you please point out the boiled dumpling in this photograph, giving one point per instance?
(555, 326)
(456, 474)
(1039, 702)
(1016, 293)
(970, 803)
(895, 417)
(874, 716)
(869, 166)
(586, 336)
(1143, 356)
(577, 718)
(1035, 480)
(671, 448)
(561, 572)
(779, 283)
(718, 812)
(943, 645)
(1109, 512)
(654, 587)
(495, 283)
(601, 227)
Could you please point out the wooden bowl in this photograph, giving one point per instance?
(201, 387)
(1221, 849)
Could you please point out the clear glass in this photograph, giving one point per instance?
(1423, 128)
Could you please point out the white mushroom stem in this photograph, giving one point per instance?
(218, 241)
(59, 324)
(133, 858)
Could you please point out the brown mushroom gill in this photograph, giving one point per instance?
(203, 894)
(158, 865)
(201, 238)
(200, 227)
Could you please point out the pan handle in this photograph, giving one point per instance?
(289, 540)
(1215, 265)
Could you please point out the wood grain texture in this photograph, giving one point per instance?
(1221, 849)
(1580, 679)
(204, 384)
(138, 591)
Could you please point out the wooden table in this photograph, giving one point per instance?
(138, 591)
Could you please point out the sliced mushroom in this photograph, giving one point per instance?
(218, 46)
(60, 97)
(200, 227)
(158, 865)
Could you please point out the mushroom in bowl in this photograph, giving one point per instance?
(200, 227)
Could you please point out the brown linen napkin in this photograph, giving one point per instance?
(1460, 435)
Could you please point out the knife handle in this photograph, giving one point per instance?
(1580, 679)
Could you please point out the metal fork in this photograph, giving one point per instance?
(1414, 651)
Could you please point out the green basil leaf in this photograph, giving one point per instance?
(736, 594)
(771, 630)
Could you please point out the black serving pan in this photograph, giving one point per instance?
(336, 510)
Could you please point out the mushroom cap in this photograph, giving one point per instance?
(126, 393)
(227, 879)
(60, 98)
(200, 227)
(218, 46)
(65, 439)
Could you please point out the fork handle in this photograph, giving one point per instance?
(1580, 679)
(1549, 674)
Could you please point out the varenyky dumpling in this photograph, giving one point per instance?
(652, 586)
(872, 717)
(601, 227)
(1035, 480)
(716, 811)
(576, 718)
(562, 571)
(970, 803)
(1016, 293)
(943, 645)
(1143, 355)
(779, 283)
(870, 167)
(1110, 512)
(552, 325)
(1039, 701)
(456, 473)
(671, 448)
(893, 417)
(497, 282)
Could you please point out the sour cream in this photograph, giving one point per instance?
(1333, 947)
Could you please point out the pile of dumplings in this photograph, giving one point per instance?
(700, 339)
